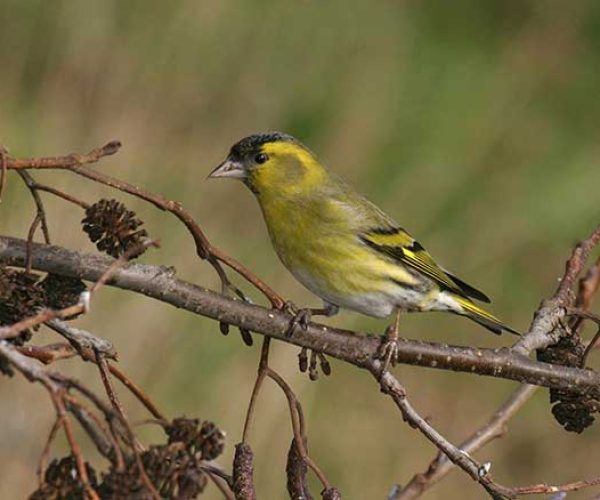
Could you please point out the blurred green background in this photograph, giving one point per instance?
(475, 123)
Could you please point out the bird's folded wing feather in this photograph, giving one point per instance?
(396, 243)
(380, 232)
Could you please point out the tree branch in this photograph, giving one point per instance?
(493, 429)
(352, 347)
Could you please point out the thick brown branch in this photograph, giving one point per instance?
(348, 346)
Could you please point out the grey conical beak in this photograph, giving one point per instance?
(230, 168)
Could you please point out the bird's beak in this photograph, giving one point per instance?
(230, 168)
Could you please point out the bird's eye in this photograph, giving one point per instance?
(261, 158)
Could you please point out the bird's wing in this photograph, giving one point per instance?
(396, 243)
(380, 232)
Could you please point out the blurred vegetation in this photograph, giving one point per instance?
(475, 123)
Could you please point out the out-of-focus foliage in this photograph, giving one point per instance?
(475, 123)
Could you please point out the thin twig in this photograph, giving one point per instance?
(114, 399)
(85, 343)
(294, 404)
(583, 314)
(537, 489)
(221, 485)
(593, 343)
(138, 393)
(64, 161)
(575, 264)
(61, 194)
(43, 460)
(588, 287)
(262, 365)
(93, 426)
(493, 429)
(544, 329)
(30, 234)
(54, 352)
(48, 354)
(70, 434)
(477, 471)
(31, 185)
(3, 169)
(14, 330)
(297, 417)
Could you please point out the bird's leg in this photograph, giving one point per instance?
(302, 316)
(389, 349)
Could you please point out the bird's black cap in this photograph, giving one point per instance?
(252, 143)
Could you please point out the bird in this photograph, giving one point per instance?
(341, 246)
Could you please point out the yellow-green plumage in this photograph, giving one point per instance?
(337, 243)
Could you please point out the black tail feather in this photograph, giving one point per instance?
(468, 290)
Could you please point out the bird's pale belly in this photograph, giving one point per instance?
(364, 284)
(378, 303)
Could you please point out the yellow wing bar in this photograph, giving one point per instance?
(399, 245)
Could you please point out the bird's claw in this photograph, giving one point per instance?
(301, 318)
(388, 351)
(290, 308)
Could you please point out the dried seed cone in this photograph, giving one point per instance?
(296, 471)
(175, 468)
(62, 291)
(243, 472)
(61, 481)
(572, 409)
(20, 297)
(208, 440)
(114, 229)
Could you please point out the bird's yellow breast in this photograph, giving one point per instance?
(315, 240)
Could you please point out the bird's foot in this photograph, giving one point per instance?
(301, 317)
(313, 372)
(388, 352)
(290, 308)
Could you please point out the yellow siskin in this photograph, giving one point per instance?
(341, 246)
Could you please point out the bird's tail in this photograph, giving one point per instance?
(481, 316)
